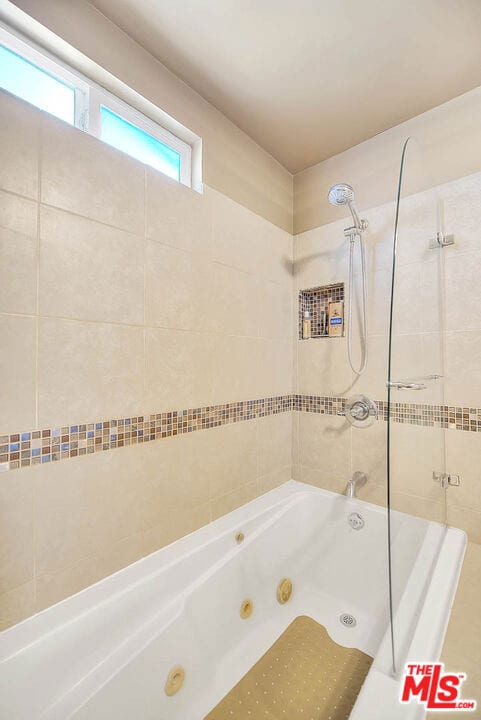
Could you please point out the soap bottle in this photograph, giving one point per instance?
(336, 319)
(306, 326)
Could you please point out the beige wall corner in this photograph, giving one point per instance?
(232, 162)
(449, 134)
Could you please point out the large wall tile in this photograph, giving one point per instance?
(463, 452)
(178, 292)
(467, 520)
(379, 239)
(177, 215)
(17, 368)
(177, 471)
(274, 367)
(418, 506)
(274, 311)
(276, 255)
(463, 306)
(125, 509)
(178, 369)
(407, 317)
(234, 499)
(233, 461)
(417, 225)
(325, 479)
(321, 256)
(378, 303)
(88, 371)
(415, 452)
(89, 271)
(161, 492)
(430, 303)
(462, 212)
(19, 146)
(18, 254)
(369, 452)
(16, 530)
(236, 235)
(236, 307)
(373, 381)
(88, 177)
(72, 510)
(188, 520)
(323, 367)
(17, 604)
(274, 443)
(274, 478)
(56, 585)
(324, 444)
(235, 369)
(463, 368)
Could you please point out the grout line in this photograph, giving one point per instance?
(118, 323)
(37, 296)
(37, 345)
(144, 331)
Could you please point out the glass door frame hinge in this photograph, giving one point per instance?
(441, 240)
(446, 479)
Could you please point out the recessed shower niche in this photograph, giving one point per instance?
(316, 301)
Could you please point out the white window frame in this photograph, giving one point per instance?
(90, 98)
(99, 97)
(54, 69)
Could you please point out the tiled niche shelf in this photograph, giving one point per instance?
(316, 301)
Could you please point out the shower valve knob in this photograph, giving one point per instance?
(360, 411)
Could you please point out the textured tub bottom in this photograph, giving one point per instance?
(304, 676)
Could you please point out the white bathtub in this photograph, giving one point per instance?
(106, 652)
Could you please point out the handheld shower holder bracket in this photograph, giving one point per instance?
(354, 230)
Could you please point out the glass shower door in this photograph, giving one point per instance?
(415, 439)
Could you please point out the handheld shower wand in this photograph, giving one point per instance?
(343, 194)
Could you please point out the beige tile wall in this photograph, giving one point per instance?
(123, 293)
(326, 450)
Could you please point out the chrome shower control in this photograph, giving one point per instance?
(360, 411)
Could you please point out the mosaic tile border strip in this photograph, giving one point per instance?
(442, 416)
(36, 447)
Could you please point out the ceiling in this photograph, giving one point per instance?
(307, 79)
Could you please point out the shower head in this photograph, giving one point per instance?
(343, 194)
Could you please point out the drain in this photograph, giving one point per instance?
(348, 620)
(356, 521)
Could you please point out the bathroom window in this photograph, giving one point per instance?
(139, 143)
(31, 74)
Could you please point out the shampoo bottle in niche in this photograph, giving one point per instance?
(306, 326)
(336, 319)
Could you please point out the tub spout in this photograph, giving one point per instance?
(358, 480)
